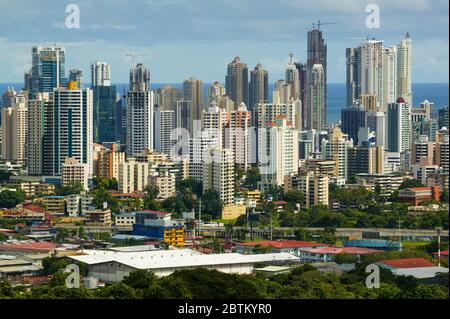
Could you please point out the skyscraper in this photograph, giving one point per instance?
(389, 76)
(14, 132)
(404, 69)
(353, 118)
(316, 99)
(371, 74)
(77, 76)
(237, 81)
(193, 92)
(140, 115)
(37, 110)
(240, 136)
(68, 130)
(293, 79)
(166, 97)
(215, 92)
(259, 86)
(218, 174)
(399, 126)
(100, 74)
(47, 70)
(353, 56)
(336, 149)
(140, 79)
(301, 67)
(316, 73)
(443, 117)
(164, 125)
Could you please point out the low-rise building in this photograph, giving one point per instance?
(417, 195)
(231, 212)
(327, 254)
(98, 217)
(125, 221)
(285, 246)
(55, 204)
(72, 171)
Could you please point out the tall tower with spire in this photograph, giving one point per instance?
(404, 69)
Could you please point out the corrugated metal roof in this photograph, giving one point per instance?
(420, 272)
(406, 263)
(178, 258)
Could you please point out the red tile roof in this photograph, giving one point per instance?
(34, 208)
(155, 212)
(343, 250)
(407, 263)
(282, 244)
(28, 246)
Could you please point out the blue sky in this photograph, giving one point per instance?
(177, 39)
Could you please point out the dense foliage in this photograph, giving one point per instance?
(9, 199)
(304, 282)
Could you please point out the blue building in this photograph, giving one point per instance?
(105, 114)
(47, 71)
(353, 118)
(159, 226)
(374, 244)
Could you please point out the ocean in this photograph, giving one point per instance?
(438, 93)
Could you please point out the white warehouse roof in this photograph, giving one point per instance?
(178, 259)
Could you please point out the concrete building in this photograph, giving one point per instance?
(193, 92)
(336, 149)
(389, 76)
(315, 188)
(372, 69)
(368, 160)
(259, 86)
(98, 217)
(72, 171)
(14, 122)
(279, 152)
(232, 212)
(100, 74)
(353, 118)
(107, 162)
(140, 114)
(115, 266)
(404, 69)
(164, 126)
(240, 137)
(236, 82)
(166, 97)
(399, 132)
(214, 123)
(199, 152)
(218, 174)
(133, 176)
(215, 92)
(316, 99)
(166, 184)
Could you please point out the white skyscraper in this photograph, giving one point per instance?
(399, 126)
(404, 69)
(199, 152)
(215, 91)
(336, 149)
(14, 132)
(214, 122)
(279, 155)
(139, 112)
(389, 76)
(316, 112)
(164, 125)
(100, 74)
(70, 121)
(240, 136)
(218, 174)
(371, 74)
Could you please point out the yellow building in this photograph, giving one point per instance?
(256, 195)
(230, 212)
(55, 204)
(174, 236)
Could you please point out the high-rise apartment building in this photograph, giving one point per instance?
(239, 139)
(278, 152)
(215, 92)
(72, 172)
(68, 129)
(199, 153)
(100, 74)
(140, 115)
(236, 82)
(193, 92)
(133, 176)
(399, 125)
(166, 97)
(164, 125)
(404, 69)
(107, 162)
(443, 117)
(259, 86)
(316, 98)
(353, 62)
(214, 123)
(316, 79)
(37, 110)
(14, 132)
(353, 118)
(371, 69)
(218, 174)
(314, 186)
(389, 76)
(77, 76)
(336, 149)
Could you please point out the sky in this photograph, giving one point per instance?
(177, 39)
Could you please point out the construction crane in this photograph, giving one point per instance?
(133, 57)
(321, 23)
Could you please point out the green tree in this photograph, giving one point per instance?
(9, 199)
(72, 189)
(294, 197)
(211, 203)
(252, 178)
(53, 264)
(410, 183)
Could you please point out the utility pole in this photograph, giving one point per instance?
(200, 215)
(400, 232)
(439, 246)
